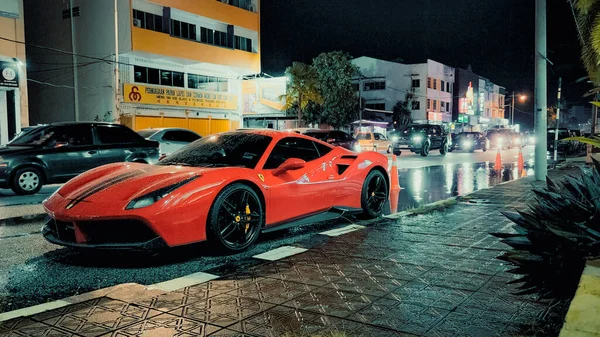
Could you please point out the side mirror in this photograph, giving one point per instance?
(289, 165)
(61, 144)
(331, 140)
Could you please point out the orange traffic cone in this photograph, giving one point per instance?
(524, 174)
(394, 197)
(394, 183)
(498, 164)
(521, 162)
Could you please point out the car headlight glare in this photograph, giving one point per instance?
(152, 197)
(417, 139)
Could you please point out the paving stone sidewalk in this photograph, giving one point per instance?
(433, 274)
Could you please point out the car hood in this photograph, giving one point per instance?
(126, 181)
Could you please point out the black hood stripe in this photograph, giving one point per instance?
(105, 184)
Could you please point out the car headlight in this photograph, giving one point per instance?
(467, 144)
(152, 197)
(418, 139)
(394, 139)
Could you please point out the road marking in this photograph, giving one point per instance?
(36, 309)
(342, 231)
(280, 253)
(182, 282)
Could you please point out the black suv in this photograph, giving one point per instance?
(55, 153)
(422, 138)
(470, 141)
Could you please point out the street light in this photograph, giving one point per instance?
(522, 98)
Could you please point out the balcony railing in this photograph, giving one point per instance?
(248, 5)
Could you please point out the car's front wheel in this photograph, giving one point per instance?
(444, 149)
(27, 180)
(374, 194)
(235, 218)
(425, 149)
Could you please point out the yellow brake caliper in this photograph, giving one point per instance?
(247, 217)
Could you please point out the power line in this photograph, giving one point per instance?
(64, 51)
(65, 86)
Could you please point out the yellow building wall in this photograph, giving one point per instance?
(203, 126)
(162, 44)
(14, 29)
(216, 10)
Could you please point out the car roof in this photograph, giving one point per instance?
(276, 134)
(81, 123)
(166, 129)
(321, 131)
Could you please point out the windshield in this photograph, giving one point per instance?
(318, 135)
(415, 129)
(363, 136)
(226, 149)
(146, 133)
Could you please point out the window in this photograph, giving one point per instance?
(448, 106)
(209, 83)
(183, 29)
(116, 135)
(153, 76)
(75, 135)
(363, 136)
(447, 86)
(207, 35)
(323, 149)
(166, 78)
(435, 104)
(442, 106)
(243, 4)
(220, 39)
(243, 43)
(380, 85)
(291, 147)
(147, 20)
(180, 136)
(375, 106)
(178, 79)
(416, 83)
(428, 104)
(442, 86)
(416, 105)
(429, 82)
(140, 74)
(435, 84)
(340, 136)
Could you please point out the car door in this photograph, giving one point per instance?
(118, 143)
(173, 140)
(343, 139)
(381, 142)
(69, 151)
(436, 136)
(298, 192)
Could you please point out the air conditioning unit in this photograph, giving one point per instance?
(137, 22)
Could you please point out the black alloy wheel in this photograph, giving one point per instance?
(374, 194)
(235, 218)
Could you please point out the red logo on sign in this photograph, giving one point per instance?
(135, 95)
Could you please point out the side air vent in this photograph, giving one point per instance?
(342, 168)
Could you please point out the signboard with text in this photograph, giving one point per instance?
(9, 74)
(186, 98)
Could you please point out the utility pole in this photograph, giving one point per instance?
(541, 94)
(360, 107)
(557, 121)
(115, 114)
(512, 112)
(75, 74)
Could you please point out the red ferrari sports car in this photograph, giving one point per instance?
(227, 189)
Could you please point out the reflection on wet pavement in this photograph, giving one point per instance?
(425, 185)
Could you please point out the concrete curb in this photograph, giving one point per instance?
(582, 317)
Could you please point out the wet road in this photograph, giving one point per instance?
(33, 271)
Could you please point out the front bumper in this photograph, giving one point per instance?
(406, 145)
(60, 233)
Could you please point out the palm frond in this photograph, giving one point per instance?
(594, 141)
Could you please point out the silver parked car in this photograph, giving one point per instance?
(170, 139)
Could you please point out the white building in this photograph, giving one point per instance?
(181, 63)
(429, 87)
(13, 73)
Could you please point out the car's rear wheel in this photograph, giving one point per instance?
(374, 194)
(27, 180)
(235, 218)
(444, 149)
(389, 149)
(397, 152)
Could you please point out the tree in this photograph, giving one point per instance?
(334, 78)
(301, 89)
(402, 112)
(588, 24)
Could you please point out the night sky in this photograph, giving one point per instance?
(495, 37)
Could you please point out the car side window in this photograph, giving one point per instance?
(291, 147)
(323, 149)
(180, 136)
(377, 136)
(116, 135)
(340, 136)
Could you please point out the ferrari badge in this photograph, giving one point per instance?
(261, 177)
